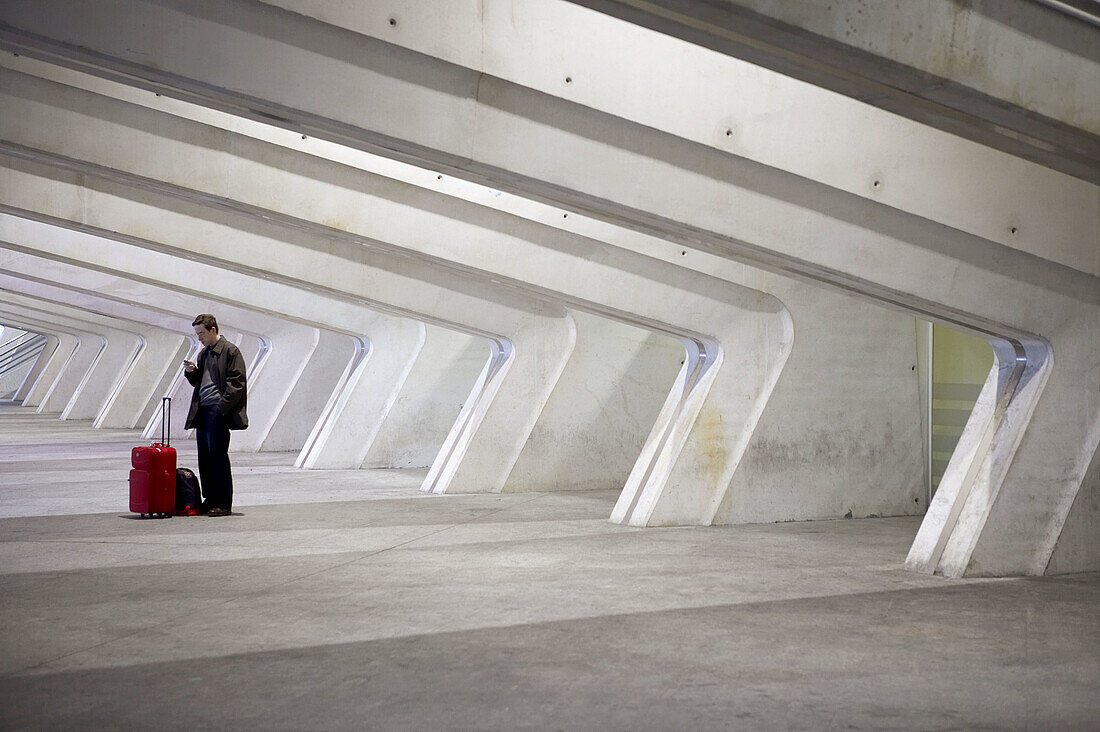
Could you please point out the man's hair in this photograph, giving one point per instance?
(206, 320)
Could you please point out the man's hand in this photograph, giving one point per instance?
(188, 366)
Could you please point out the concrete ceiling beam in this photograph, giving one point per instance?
(99, 365)
(20, 352)
(938, 63)
(842, 341)
(71, 285)
(600, 164)
(45, 370)
(317, 370)
(499, 75)
(649, 294)
(270, 381)
(538, 337)
(163, 346)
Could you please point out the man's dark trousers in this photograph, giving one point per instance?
(212, 434)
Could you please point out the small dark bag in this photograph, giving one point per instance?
(187, 490)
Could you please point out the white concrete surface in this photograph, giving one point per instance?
(693, 301)
(44, 379)
(877, 501)
(304, 613)
(319, 370)
(537, 48)
(951, 263)
(541, 334)
(134, 381)
(880, 345)
(102, 356)
(434, 394)
(20, 351)
(270, 386)
(776, 215)
(1014, 75)
(52, 344)
(703, 302)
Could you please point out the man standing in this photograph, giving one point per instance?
(217, 406)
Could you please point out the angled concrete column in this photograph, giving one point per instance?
(53, 342)
(844, 346)
(598, 419)
(312, 398)
(271, 385)
(179, 391)
(303, 406)
(163, 347)
(254, 350)
(164, 387)
(995, 274)
(275, 378)
(110, 368)
(19, 351)
(542, 333)
(80, 362)
(66, 347)
(49, 359)
(117, 363)
(164, 344)
(755, 322)
(434, 394)
(231, 290)
(89, 289)
(95, 368)
(652, 294)
(160, 356)
(350, 421)
(138, 389)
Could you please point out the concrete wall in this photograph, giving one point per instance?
(20, 361)
(969, 43)
(792, 179)
(593, 426)
(863, 452)
(434, 395)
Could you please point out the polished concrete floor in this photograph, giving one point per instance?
(349, 600)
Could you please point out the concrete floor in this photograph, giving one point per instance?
(349, 600)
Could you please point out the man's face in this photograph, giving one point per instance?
(206, 337)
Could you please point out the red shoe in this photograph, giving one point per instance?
(188, 511)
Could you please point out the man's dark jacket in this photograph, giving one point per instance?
(229, 377)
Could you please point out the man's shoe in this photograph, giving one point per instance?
(188, 511)
(218, 511)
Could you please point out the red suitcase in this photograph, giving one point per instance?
(153, 478)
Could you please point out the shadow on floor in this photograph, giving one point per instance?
(1007, 654)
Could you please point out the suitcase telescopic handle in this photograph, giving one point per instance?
(165, 420)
